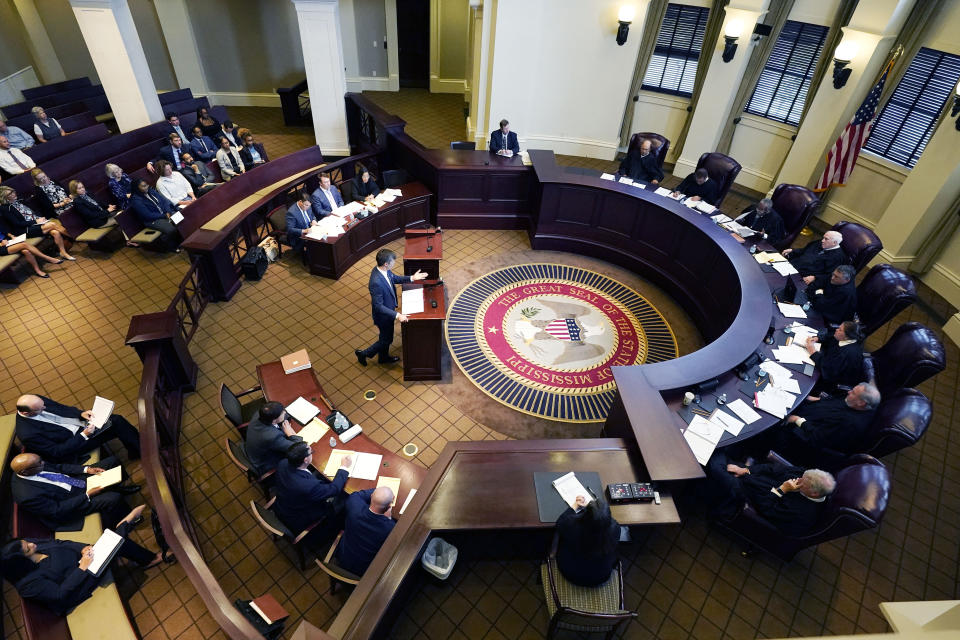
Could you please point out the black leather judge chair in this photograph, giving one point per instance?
(859, 243)
(721, 168)
(658, 144)
(883, 293)
(796, 205)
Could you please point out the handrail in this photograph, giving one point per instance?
(175, 532)
(190, 300)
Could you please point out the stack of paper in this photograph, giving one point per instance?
(785, 268)
(411, 301)
(801, 331)
(743, 411)
(625, 180)
(793, 354)
(739, 229)
(606, 176)
(662, 192)
(364, 466)
(17, 239)
(302, 410)
(727, 421)
(705, 207)
(102, 409)
(790, 310)
(105, 479)
(702, 436)
(314, 431)
(569, 488)
(393, 192)
(775, 401)
(775, 371)
(720, 218)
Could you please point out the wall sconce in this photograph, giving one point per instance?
(841, 58)
(956, 105)
(731, 33)
(624, 18)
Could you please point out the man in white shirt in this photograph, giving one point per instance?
(14, 161)
(173, 185)
(325, 198)
(19, 139)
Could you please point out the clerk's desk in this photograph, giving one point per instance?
(330, 258)
(281, 387)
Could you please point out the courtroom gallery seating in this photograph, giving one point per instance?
(721, 168)
(883, 293)
(911, 355)
(859, 243)
(796, 206)
(277, 531)
(659, 145)
(857, 504)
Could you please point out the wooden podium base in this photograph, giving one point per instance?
(422, 337)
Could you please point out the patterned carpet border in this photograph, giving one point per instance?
(541, 338)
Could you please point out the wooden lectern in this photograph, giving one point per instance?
(423, 250)
(422, 334)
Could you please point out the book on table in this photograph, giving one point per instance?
(302, 410)
(363, 466)
(296, 361)
(105, 479)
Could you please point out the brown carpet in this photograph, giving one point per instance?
(460, 391)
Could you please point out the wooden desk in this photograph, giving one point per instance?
(285, 388)
(422, 334)
(331, 257)
(423, 252)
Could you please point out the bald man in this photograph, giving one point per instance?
(369, 521)
(819, 257)
(57, 494)
(61, 434)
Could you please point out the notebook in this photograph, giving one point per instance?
(296, 361)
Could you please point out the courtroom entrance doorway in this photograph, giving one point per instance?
(413, 43)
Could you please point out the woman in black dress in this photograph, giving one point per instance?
(20, 219)
(93, 213)
(587, 544)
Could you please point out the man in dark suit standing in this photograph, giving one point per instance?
(325, 198)
(299, 220)
(818, 258)
(642, 165)
(268, 438)
(57, 494)
(834, 296)
(61, 434)
(383, 298)
(368, 522)
(699, 186)
(304, 499)
(503, 142)
(790, 498)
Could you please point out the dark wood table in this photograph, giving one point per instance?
(422, 334)
(423, 252)
(330, 258)
(285, 388)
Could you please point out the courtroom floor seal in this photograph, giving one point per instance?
(541, 338)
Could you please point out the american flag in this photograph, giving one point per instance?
(845, 151)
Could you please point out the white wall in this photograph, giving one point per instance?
(661, 113)
(563, 87)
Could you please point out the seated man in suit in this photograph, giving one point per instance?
(198, 175)
(790, 498)
(762, 218)
(698, 186)
(61, 434)
(818, 258)
(503, 142)
(303, 498)
(230, 132)
(642, 165)
(57, 494)
(231, 164)
(203, 147)
(835, 423)
(172, 153)
(268, 438)
(325, 198)
(368, 522)
(834, 296)
(299, 220)
(252, 153)
(174, 121)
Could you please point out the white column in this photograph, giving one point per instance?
(181, 41)
(41, 49)
(393, 46)
(114, 45)
(720, 86)
(323, 61)
(873, 28)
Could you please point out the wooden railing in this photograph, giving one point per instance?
(190, 301)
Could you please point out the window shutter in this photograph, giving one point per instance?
(673, 66)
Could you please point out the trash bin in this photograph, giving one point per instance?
(439, 557)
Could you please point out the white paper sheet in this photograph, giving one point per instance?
(774, 401)
(335, 461)
(720, 218)
(411, 301)
(794, 354)
(743, 411)
(103, 550)
(662, 192)
(314, 431)
(569, 487)
(625, 180)
(729, 423)
(302, 410)
(101, 411)
(366, 466)
(712, 431)
(791, 310)
(17, 239)
(176, 218)
(406, 502)
(785, 268)
(606, 176)
(790, 385)
(393, 483)
(705, 207)
(775, 371)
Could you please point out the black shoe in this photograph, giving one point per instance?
(389, 360)
(362, 359)
(128, 490)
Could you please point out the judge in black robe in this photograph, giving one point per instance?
(641, 165)
(834, 296)
(698, 185)
(818, 258)
(763, 219)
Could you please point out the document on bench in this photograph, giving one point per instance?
(314, 431)
(625, 180)
(17, 239)
(101, 412)
(720, 218)
(794, 354)
(702, 436)
(775, 401)
(105, 479)
(103, 551)
(607, 176)
(705, 207)
(411, 301)
(743, 411)
(790, 310)
(569, 488)
(728, 422)
(784, 268)
(364, 466)
(663, 192)
(176, 218)
(302, 410)
(406, 503)
(393, 483)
